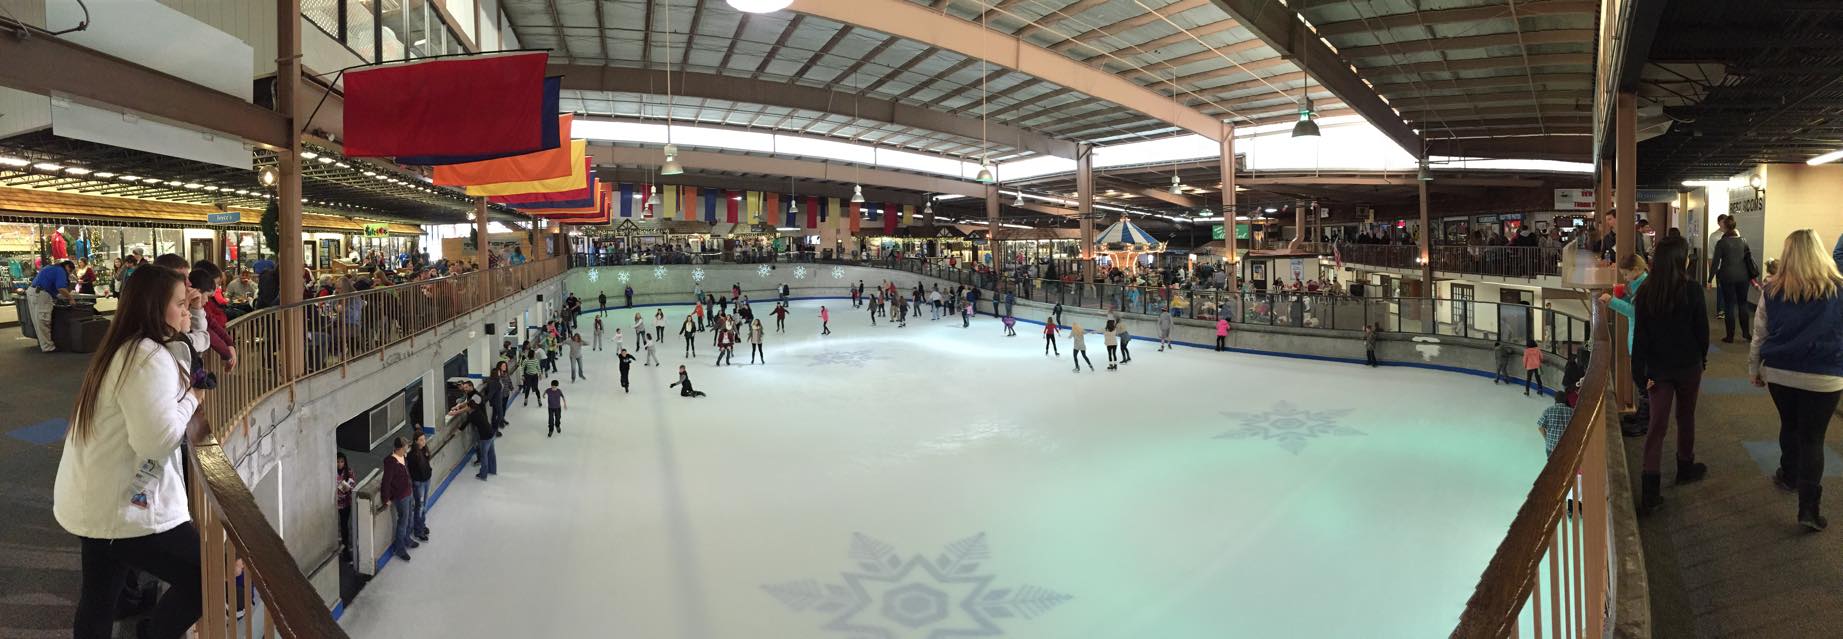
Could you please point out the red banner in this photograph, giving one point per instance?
(480, 105)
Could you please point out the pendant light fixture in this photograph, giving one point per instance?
(793, 201)
(985, 163)
(671, 167)
(1306, 128)
(857, 194)
(928, 208)
(758, 6)
(1425, 174)
(1020, 199)
(1177, 188)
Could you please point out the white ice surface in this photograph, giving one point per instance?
(828, 494)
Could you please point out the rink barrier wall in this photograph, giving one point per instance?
(1448, 353)
(292, 436)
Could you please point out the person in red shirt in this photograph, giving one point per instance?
(204, 278)
(396, 491)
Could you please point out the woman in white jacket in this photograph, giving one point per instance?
(120, 484)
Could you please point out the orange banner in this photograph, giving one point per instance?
(530, 167)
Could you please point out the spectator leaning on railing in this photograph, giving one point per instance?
(120, 484)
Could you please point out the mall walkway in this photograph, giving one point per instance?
(38, 560)
(1726, 557)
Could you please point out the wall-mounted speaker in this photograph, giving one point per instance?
(490, 329)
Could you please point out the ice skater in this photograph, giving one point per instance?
(576, 369)
(1369, 346)
(659, 324)
(601, 303)
(966, 315)
(626, 360)
(1057, 312)
(531, 370)
(726, 346)
(1222, 333)
(640, 327)
(874, 302)
(1532, 367)
(690, 331)
(1112, 339)
(649, 342)
(1078, 347)
(780, 317)
(1049, 337)
(555, 393)
(1164, 329)
(1126, 339)
(598, 333)
(697, 312)
(901, 305)
(755, 341)
(684, 384)
(1010, 326)
(825, 321)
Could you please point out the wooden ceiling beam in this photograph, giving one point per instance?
(1392, 49)
(1454, 16)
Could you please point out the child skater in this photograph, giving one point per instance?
(684, 384)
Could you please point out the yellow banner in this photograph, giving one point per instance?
(576, 180)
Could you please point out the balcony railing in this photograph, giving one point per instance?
(1554, 562)
(252, 585)
(1496, 261)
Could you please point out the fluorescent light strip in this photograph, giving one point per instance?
(1826, 158)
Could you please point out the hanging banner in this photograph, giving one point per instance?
(411, 109)
(548, 164)
(1574, 199)
(377, 230)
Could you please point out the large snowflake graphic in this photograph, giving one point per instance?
(595, 275)
(888, 597)
(623, 276)
(838, 273)
(799, 272)
(1290, 426)
(697, 274)
(764, 270)
(855, 359)
(659, 272)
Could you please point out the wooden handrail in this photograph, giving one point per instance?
(1498, 600)
(232, 529)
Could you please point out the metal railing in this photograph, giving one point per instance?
(1496, 261)
(248, 572)
(1563, 526)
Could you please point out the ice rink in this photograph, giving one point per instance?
(934, 481)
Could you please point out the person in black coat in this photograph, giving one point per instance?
(268, 288)
(1671, 344)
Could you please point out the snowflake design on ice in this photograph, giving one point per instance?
(1290, 426)
(697, 274)
(659, 272)
(595, 275)
(623, 277)
(799, 272)
(838, 273)
(854, 359)
(763, 270)
(889, 597)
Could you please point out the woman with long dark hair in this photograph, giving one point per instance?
(1671, 344)
(1797, 355)
(120, 484)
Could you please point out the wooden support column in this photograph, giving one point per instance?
(289, 256)
(991, 225)
(481, 244)
(1084, 206)
(1232, 259)
(1425, 241)
(1625, 194)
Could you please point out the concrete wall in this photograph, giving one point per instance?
(292, 437)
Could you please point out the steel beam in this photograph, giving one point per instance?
(738, 89)
(918, 23)
(1413, 19)
(47, 65)
(1161, 195)
(1476, 64)
(1281, 28)
(604, 155)
(1552, 36)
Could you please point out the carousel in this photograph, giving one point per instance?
(1125, 246)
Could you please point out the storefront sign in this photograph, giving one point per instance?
(229, 217)
(1574, 199)
(377, 230)
(1215, 232)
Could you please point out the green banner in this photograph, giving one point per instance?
(1244, 231)
(1215, 232)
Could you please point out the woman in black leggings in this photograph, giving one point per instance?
(690, 331)
(1049, 337)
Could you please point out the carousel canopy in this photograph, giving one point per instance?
(1127, 233)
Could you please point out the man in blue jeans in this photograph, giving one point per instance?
(476, 410)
